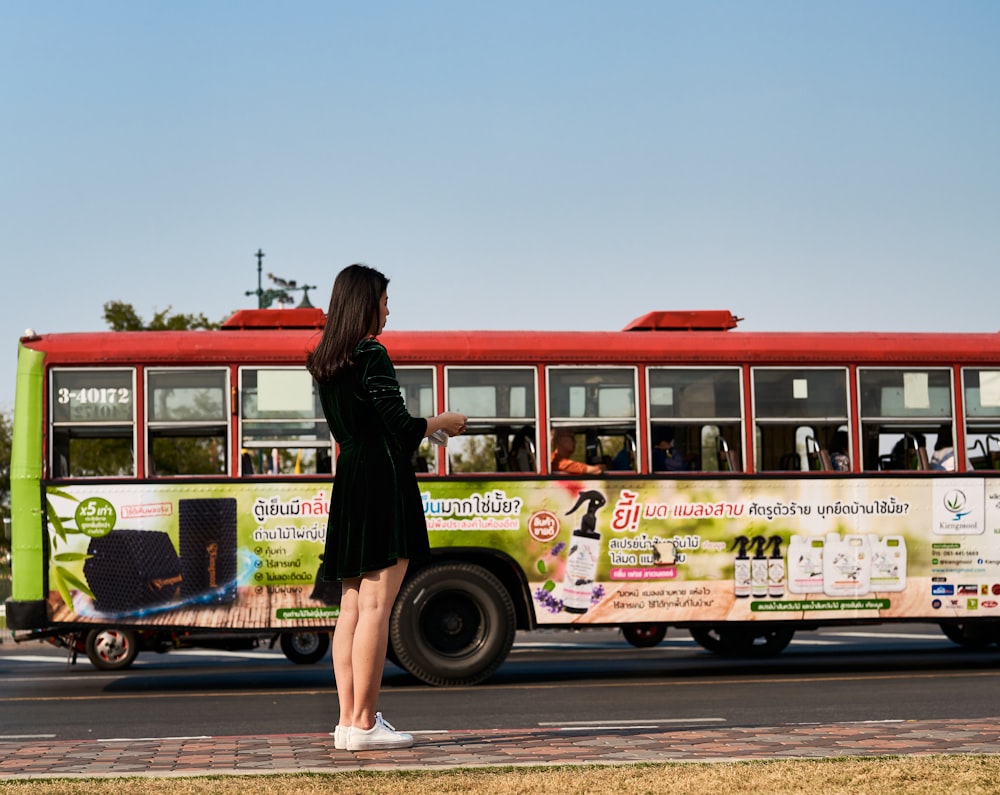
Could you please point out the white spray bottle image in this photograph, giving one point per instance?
(584, 551)
(741, 567)
(775, 569)
(758, 568)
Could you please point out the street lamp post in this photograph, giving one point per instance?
(282, 292)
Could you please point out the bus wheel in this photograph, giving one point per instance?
(112, 649)
(744, 641)
(708, 639)
(643, 636)
(305, 648)
(971, 636)
(453, 624)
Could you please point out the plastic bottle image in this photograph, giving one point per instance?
(741, 569)
(805, 565)
(584, 552)
(847, 565)
(758, 568)
(775, 569)
(888, 563)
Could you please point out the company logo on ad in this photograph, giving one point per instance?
(942, 590)
(954, 502)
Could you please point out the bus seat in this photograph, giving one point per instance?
(521, 457)
(624, 461)
(825, 462)
(922, 460)
(813, 456)
(790, 462)
(993, 455)
(500, 453)
(978, 457)
(728, 461)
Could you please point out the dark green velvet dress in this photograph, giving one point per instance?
(376, 512)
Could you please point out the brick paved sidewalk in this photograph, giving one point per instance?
(315, 753)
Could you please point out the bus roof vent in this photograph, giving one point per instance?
(694, 320)
(299, 317)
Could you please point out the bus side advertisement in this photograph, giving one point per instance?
(605, 551)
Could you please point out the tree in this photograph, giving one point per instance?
(122, 317)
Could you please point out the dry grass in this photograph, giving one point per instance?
(914, 775)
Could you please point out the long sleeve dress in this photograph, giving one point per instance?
(376, 512)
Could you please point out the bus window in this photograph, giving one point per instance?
(282, 427)
(902, 412)
(186, 414)
(93, 423)
(703, 406)
(598, 405)
(791, 405)
(500, 404)
(982, 418)
(416, 384)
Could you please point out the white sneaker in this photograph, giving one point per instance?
(381, 735)
(340, 737)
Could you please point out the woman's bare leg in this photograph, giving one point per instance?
(375, 596)
(343, 645)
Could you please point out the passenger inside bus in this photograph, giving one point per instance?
(521, 456)
(910, 452)
(840, 461)
(624, 460)
(944, 451)
(563, 448)
(665, 456)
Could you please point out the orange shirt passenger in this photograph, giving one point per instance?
(563, 447)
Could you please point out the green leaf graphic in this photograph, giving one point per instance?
(62, 587)
(66, 557)
(77, 583)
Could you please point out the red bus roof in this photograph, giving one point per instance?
(257, 336)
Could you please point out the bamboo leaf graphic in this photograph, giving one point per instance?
(57, 522)
(66, 557)
(60, 493)
(58, 573)
(77, 583)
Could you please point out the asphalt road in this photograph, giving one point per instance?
(552, 680)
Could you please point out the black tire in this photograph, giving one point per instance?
(453, 624)
(112, 649)
(305, 648)
(970, 636)
(644, 636)
(744, 640)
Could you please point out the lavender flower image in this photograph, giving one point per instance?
(548, 601)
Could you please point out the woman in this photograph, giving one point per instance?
(376, 521)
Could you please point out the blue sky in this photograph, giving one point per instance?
(550, 164)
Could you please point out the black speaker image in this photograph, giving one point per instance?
(131, 569)
(208, 548)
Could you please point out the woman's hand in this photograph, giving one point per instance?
(451, 422)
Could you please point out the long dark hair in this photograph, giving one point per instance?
(353, 313)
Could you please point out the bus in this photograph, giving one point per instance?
(171, 483)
